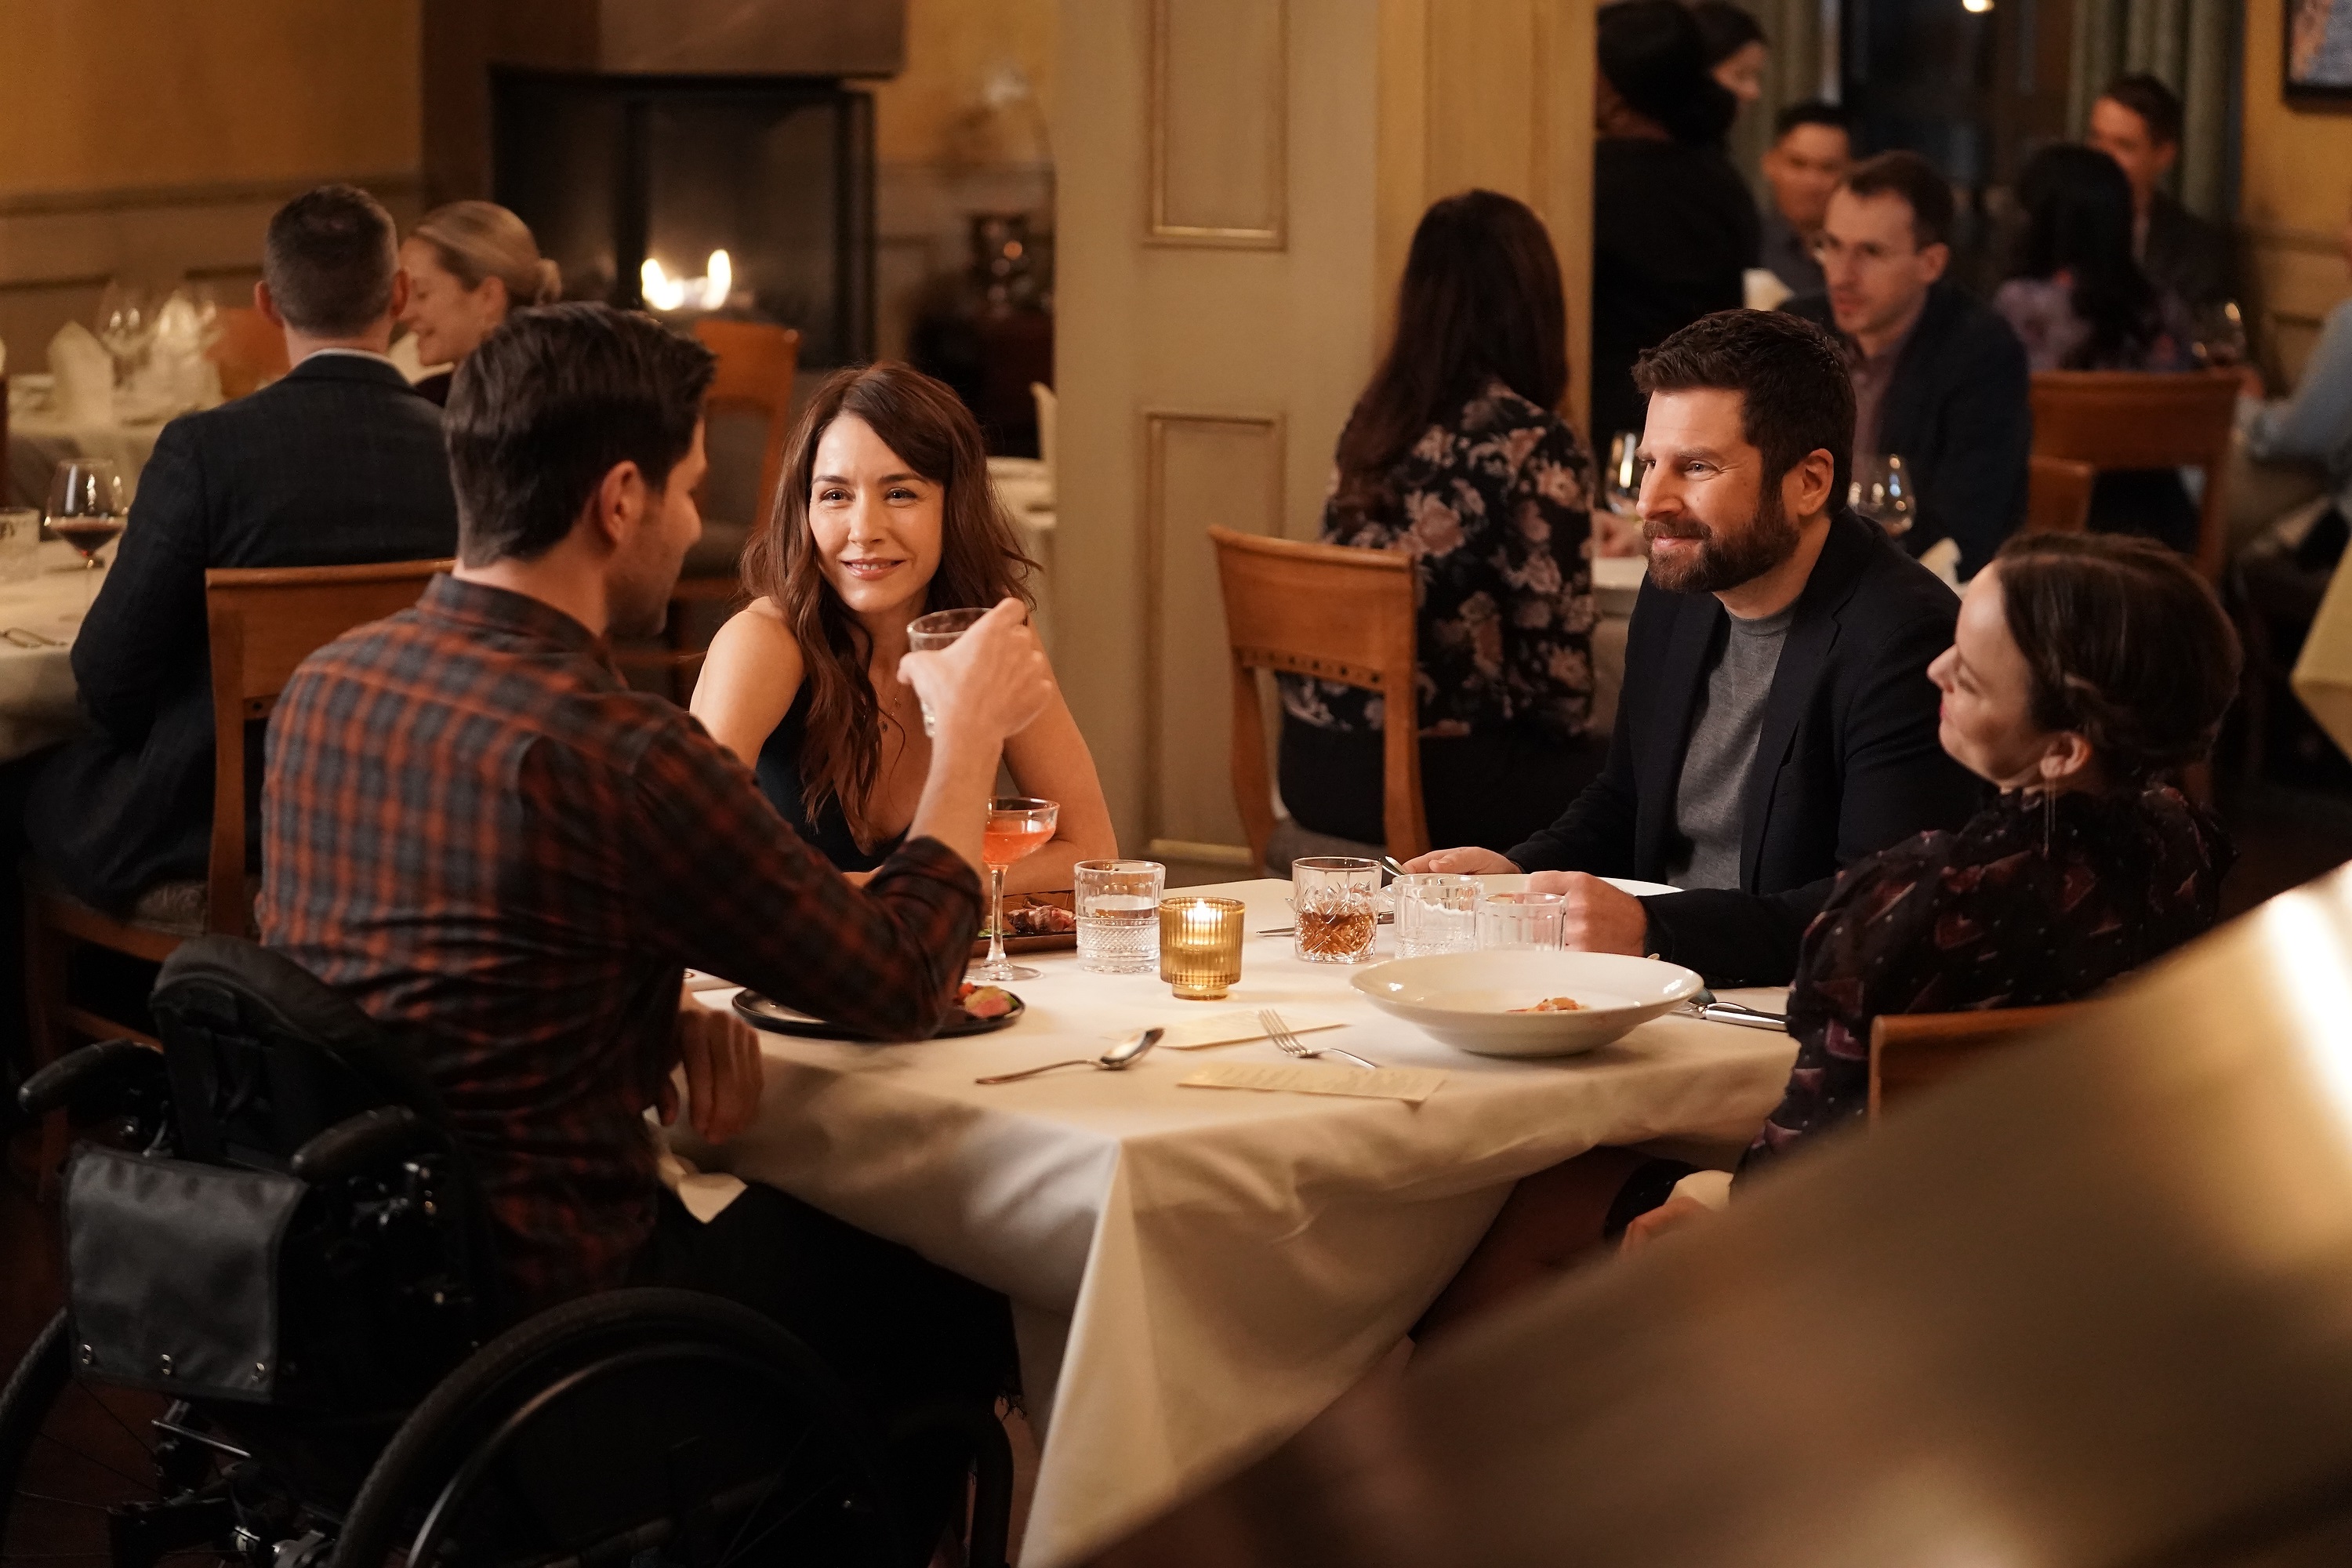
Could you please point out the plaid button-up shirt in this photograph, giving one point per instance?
(473, 829)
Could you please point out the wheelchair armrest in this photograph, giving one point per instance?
(114, 1068)
(359, 1142)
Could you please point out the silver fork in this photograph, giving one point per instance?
(1288, 1043)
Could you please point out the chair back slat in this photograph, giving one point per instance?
(1336, 613)
(2058, 495)
(756, 365)
(1910, 1052)
(263, 622)
(2144, 420)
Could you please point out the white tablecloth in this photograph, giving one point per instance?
(1196, 1273)
(37, 684)
(39, 440)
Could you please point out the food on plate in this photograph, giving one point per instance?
(984, 1001)
(1553, 1004)
(1039, 919)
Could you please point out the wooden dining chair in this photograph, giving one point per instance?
(250, 351)
(754, 375)
(2058, 495)
(1336, 613)
(2146, 419)
(262, 623)
(1910, 1052)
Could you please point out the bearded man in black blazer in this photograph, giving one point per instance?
(336, 463)
(1777, 721)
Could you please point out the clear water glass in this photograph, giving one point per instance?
(929, 634)
(1508, 921)
(1437, 911)
(1118, 915)
(1334, 899)
(20, 544)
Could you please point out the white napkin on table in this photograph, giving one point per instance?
(84, 390)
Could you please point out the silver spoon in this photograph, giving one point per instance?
(1115, 1059)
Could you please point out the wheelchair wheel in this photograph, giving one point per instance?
(87, 1475)
(645, 1428)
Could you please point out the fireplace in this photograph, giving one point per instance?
(642, 138)
(749, 197)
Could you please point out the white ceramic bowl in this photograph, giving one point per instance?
(1465, 999)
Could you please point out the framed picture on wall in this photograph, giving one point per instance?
(2319, 50)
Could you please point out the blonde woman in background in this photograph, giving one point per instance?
(469, 264)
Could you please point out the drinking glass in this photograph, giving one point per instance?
(1200, 946)
(1118, 915)
(1017, 825)
(1334, 899)
(1881, 491)
(930, 633)
(1437, 911)
(87, 509)
(1523, 921)
(126, 325)
(20, 541)
(1621, 487)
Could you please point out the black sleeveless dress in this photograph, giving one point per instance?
(779, 772)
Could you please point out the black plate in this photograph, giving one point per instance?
(777, 1018)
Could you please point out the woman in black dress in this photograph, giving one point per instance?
(1458, 456)
(2087, 671)
(1673, 227)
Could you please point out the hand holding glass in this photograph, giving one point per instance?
(930, 633)
(1017, 826)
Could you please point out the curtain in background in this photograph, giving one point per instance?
(2191, 45)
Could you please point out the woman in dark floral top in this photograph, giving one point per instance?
(1455, 456)
(2087, 671)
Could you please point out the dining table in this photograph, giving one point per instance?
(39, 617)
(1196, 1272)
(41, 436)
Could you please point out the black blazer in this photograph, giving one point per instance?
(1960, 412)
(334, 464)
(1847, 763)
(2185, 254)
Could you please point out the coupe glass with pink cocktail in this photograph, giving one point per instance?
(1017, 826)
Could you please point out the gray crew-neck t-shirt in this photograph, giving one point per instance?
(1723, 737)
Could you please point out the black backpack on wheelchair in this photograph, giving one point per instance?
(279, 1347)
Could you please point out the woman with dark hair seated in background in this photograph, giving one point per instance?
(2086, 673)
(1673, 225)
(1737, 50)
(1456, 453)
(884, 514)
(2079, 300)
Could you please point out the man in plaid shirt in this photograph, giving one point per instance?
(474, 829)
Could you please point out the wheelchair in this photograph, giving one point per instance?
(281, 1346)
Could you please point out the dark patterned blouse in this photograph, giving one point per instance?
(2019, 908)
(1494, 509)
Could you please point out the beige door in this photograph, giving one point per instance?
(1238, 182)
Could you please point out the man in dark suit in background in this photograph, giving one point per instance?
(1777, 721)
(1938, 380)
(337, 463)
(2136, 122)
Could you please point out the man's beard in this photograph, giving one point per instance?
(1723, 562)
(637, 603)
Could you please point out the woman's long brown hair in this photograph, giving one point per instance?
(980, 561)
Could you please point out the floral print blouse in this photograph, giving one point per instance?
(2021, 906)
(1494, 509)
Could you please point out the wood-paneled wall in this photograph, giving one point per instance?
(1239, 182)
(2296, 190)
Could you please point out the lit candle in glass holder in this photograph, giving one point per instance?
(1200, 946)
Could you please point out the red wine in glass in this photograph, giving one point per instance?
(88, 535)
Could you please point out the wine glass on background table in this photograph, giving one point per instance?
(1017, 827)
(1881, 491)
(126, 325)
(87, 509)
